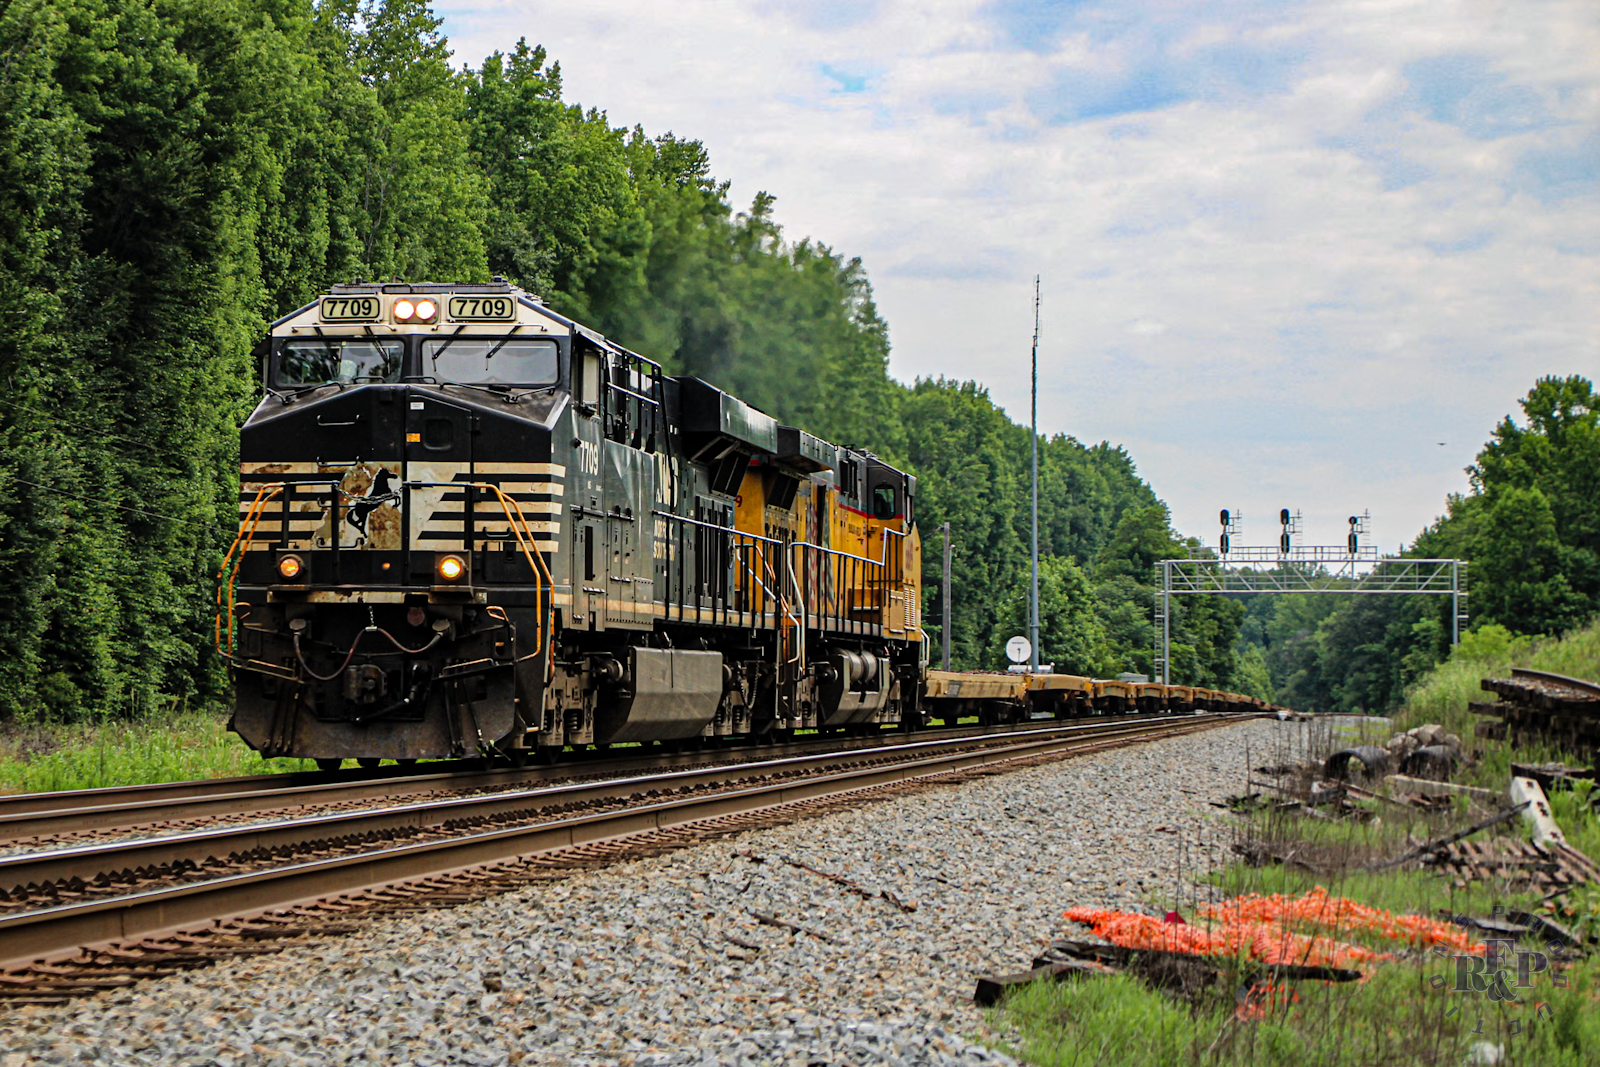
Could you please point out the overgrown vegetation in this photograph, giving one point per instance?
(168, 745)
(1395, 1019)
(1399, 1014)
(1443, 695)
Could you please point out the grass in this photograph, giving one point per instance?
(167, 746)
(1442, 696)
(1395, 1016)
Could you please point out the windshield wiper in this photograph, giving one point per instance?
(501, 391)
(448, 341)
(300, 390)
(535, 391)
(504, 341)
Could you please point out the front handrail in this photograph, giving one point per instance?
(516, 520)
(241, 545)
(524, 535)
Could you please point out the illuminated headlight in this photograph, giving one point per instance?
(451, 568)
(427, 310)
(291, 568)
(404, 310)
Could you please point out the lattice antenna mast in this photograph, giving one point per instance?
(1033, 600)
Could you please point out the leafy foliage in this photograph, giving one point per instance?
(174, 174)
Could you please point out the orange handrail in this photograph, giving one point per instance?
(534, 557)
(246, 535)
(515, 519)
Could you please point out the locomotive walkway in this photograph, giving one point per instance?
(112, 913)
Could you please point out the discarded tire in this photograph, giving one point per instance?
(1430, 761)
(1370, 762)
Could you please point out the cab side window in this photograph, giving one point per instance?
(883, 502)
(589, 375)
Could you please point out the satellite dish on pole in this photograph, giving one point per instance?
(1018, 649)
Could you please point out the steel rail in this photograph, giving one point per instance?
(194, 847)
(59, 932)
(1577, 684)
(28, 815)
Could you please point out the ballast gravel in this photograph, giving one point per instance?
(730, 952)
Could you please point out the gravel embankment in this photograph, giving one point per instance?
(692, 958)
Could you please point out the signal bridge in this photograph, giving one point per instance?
(1351, 568)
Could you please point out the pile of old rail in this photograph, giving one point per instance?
(93, 932)
(87, 814)
(1536, 705)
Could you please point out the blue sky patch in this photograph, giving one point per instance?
(1465, 92)
(1560, 172)
(1155, 79)
(848, 81)
(1035, 25)
(1076, 96)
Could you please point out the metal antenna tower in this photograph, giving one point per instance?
(1033, 600)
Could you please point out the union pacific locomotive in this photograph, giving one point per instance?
(470, 525)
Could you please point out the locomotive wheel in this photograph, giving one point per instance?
(329, 764)
(368, 762)
(547, 755)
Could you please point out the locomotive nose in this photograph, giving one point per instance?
(380, 643)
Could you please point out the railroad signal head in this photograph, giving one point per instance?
(1225, 517)
(1283, 516)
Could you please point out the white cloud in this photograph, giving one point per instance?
(1284, 287)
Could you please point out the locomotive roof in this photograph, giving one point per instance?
(461, 306)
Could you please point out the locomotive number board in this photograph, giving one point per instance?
(351, 308)
(483, 308)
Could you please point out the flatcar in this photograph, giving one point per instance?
(471, 526)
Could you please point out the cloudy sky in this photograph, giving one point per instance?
(1293, 254)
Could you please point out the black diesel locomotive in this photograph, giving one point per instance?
(471, 526)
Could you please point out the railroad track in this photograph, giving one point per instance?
(98, 916)
(32, 819)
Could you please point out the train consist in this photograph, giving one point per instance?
(470, 525)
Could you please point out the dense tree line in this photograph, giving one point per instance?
(1530, 532)
(176, 173)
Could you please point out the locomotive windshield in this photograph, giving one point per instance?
(492, 361)
(313, 361)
